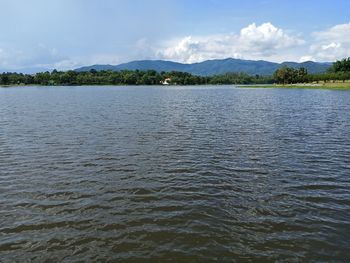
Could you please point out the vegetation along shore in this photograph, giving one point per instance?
(337, 77)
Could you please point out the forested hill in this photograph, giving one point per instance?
(212, 67)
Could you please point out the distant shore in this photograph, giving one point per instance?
(330, 86)
(338, 77)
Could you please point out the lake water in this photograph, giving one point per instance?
(175, 174)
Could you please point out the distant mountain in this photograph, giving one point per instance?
(212, 67)
(312, 67)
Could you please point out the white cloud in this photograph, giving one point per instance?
(306, 58)
(337, 33)
(253, 42)
(331, 44)
(267, 38)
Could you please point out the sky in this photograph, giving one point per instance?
(40, 35)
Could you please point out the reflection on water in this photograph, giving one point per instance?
(195, 174)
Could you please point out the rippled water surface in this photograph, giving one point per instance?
(178, 174)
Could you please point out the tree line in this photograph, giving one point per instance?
(126, 77)
(340, 71)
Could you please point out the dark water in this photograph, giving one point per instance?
(195, 174)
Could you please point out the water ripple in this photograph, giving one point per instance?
(195, 174)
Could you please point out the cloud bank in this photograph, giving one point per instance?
(265, 41)
(331, 44)
(253, 42)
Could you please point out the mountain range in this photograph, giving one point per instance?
(212, 67)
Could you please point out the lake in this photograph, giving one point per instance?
(174, 174)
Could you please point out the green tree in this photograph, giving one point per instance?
(341, 65)
(4, 79)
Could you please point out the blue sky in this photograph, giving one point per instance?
(65, 34)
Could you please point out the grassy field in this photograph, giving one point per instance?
(321, 85)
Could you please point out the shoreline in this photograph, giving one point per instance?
(329, 86)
